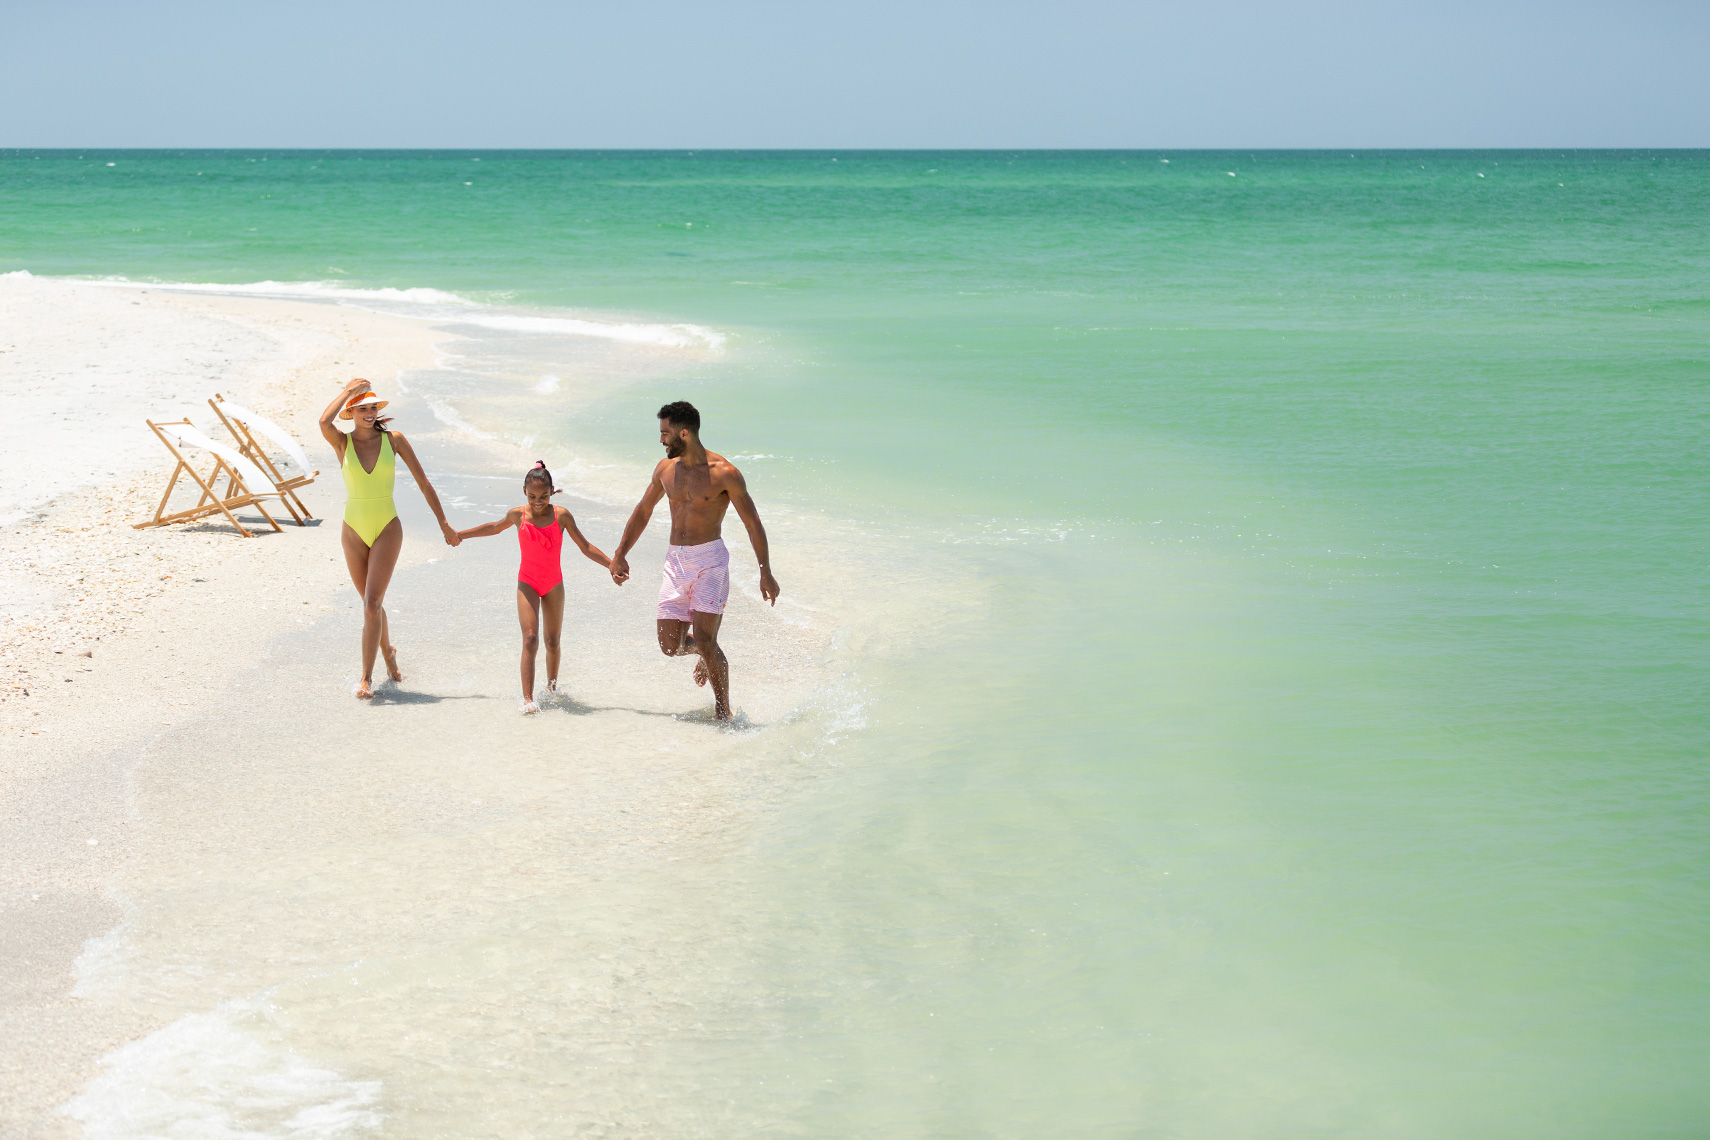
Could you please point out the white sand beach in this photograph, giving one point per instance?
(108, 633)
(143, 731)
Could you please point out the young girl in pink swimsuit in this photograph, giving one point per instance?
(540, 580)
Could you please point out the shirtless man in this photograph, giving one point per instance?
(700, 485)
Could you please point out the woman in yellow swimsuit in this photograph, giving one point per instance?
(373, 534)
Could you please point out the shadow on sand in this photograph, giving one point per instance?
(255, 522)
(570, 705)
(387, 695)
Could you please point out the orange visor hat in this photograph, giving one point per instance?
(362, 401)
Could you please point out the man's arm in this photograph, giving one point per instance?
(737, 488)
(638, 520)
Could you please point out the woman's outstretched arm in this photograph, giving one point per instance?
(401, 446)
(329, 430)
(594, 553)
(512, 517)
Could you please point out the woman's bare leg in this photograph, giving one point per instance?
(552, 629)
(387, 651)
(528, 614)
(371, 572)
(356, 561)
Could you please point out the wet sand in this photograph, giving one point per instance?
(108, 634)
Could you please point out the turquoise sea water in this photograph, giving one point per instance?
(1275, 607)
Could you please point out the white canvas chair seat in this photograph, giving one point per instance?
(238, 472)
(244, 426)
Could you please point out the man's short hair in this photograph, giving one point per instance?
(681, 413)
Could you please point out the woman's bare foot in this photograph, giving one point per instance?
(364, 691)
(700, 670)
(551, 686)
(391, 653)
(529, 708)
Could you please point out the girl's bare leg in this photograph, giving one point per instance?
(528, 614)
(552, 628)
(371, 572)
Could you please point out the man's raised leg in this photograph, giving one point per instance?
(674, 640)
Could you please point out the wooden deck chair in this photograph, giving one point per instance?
(237, 471)
(244, 424)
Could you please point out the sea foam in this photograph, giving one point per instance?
(465, 311)
(205, 1075)
(665, 336)
(330, 290)
(447, 415)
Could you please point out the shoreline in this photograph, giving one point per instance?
(209, 733)
(108, 631)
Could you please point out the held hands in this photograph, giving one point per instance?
(452, 538)
(768, 586)
(620, 569)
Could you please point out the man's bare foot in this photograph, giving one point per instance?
(364, 691)
(721, 713)
(700, 671)
(392, 663)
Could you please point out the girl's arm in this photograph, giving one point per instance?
(594, 553)
(401, 446)
(329, 430)
(512, 517)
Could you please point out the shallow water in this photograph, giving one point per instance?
(1241, 672)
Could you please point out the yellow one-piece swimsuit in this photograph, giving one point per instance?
(368, 505)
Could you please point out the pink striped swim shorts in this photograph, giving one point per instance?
(696, 578)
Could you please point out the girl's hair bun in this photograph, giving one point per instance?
(539, 474)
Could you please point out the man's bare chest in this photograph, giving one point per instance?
(692, 487)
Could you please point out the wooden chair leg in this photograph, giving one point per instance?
(208, 495)
(227, 512)
(170, 484)
(301, 506)
(285, 499)
(208, 492)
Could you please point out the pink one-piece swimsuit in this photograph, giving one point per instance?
(541, 546)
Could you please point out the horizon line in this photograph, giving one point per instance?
(4, 149)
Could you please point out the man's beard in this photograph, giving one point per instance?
(674, 449)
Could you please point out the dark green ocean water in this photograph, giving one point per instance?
(1290, 716)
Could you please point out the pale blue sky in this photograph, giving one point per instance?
(657, 73)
